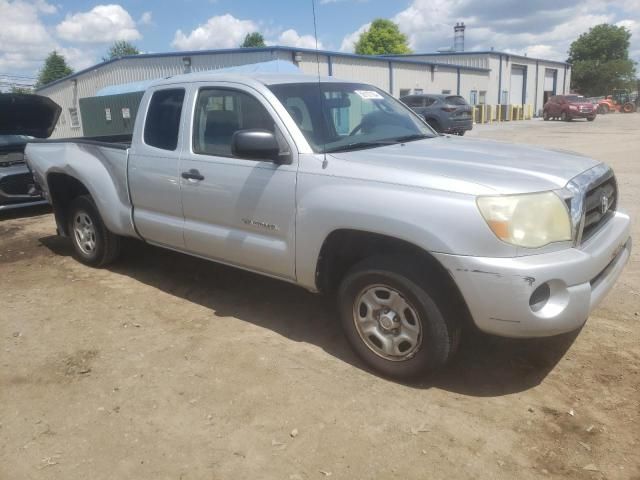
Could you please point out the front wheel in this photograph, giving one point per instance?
(394, 320)
(565, 117)
(93, 243)
(591, 119)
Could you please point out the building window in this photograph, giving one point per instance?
(404, 92)
(482, 100)
(75, 120)
(473, 97)
(446, 92)
(418, 91)
(504, 98)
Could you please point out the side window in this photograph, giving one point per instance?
(163, 119)
(414, 102)
(430, 101)
(220, 113)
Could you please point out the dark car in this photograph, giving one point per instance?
(568, 107)
(444, 113)
(22, 117)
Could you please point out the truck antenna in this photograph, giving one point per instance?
(320, 98)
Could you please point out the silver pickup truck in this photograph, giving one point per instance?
(340, 188)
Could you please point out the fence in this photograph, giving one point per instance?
(501, 113)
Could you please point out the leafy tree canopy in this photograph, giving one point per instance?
(382, 37)
(254, 39)
(121, 48)
(600, 60)
(54, 68)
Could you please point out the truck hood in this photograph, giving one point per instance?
(471, 166)
(24, 114)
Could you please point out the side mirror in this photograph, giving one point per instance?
(257, 144)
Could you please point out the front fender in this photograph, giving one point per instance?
(436, 221)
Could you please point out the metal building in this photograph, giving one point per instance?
(480, 77)
(512, 79)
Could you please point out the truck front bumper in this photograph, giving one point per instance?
(546, 294)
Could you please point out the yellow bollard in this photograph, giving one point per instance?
(473, 114)
(482, 117)
(499, 113)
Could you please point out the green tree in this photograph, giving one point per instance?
(55, 67)
(22, 90)
(600, 60)
(382, 37)
(254, 39)
(121, 48)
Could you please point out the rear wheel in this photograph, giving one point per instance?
(545, 115)
(628, 107)
(591, 119)
(393, 320)
(93, 243)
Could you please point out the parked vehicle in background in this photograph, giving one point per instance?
(34, 116)
(568, 107)
(620, 100)
(444, 113)
(339, 188)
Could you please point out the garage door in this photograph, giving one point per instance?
(517, 86)
(550, 80)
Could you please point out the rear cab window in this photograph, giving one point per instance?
(162, 125)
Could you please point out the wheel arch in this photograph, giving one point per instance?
(343, 248)
(63, 189)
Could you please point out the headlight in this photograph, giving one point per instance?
(530, 221)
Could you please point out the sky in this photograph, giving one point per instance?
(82, 31)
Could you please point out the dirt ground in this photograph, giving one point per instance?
(169, 367)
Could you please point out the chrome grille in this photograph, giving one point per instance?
(599, 204)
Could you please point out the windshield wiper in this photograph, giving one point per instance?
(360, 145)
(411, 138)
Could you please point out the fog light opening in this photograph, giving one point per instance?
(539, 297)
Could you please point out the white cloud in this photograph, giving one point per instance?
(544, 28)
(223, 31)
(24, 40)
(292, 38)
(101, 24)
(146, 18)
(349, 42)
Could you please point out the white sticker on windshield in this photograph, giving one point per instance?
(369, 95)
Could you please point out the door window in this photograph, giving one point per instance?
(221, 112)
(163, 119)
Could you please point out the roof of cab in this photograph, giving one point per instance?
(247, 79)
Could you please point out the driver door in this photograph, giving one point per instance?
(236, 210)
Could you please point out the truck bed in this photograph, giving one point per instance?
(99, 163)
(121, 142)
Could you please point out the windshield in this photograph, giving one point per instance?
(351, 116)
(574, 98)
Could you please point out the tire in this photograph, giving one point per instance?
(93, 244)
(628, 108)
(432, 333)
(564, 117)
(461, 133)
(602, 109)
(591, 119)
(545, 116)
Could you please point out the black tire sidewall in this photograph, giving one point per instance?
(436, 342)
(86, 205)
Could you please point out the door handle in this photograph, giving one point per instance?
(192, 174)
